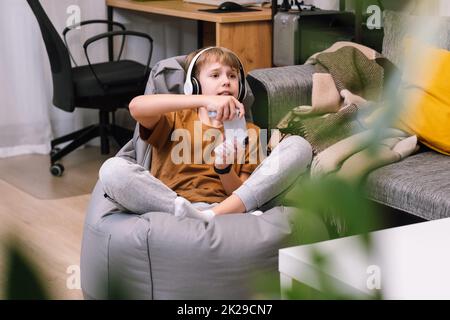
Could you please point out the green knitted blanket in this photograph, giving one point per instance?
(323, 131)
(351, 70)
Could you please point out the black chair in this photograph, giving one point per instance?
(105, 86)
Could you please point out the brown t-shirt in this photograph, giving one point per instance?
(183, 157)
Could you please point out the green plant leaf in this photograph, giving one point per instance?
(22, 280)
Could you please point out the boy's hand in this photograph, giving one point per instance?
(225, 106)
(228, 153)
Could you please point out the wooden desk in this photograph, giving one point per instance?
(248, 34)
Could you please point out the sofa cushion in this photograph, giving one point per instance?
(420, 185)
(426, 88)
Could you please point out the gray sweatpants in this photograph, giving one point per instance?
(132, 188)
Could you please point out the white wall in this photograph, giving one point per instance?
(444, 7)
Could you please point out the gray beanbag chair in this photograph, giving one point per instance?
(159, 256)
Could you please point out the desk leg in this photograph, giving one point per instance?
(285, 285)
(251, 41)
(208, 34)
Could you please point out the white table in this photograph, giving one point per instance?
(409, 262)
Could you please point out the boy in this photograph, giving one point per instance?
(207, 186)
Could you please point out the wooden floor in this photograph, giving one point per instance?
(50, 230)
(30, 173)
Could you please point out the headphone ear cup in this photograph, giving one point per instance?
(196, 89)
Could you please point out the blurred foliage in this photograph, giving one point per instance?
(330, 208)
(342, 206)
(117, 290)
(327, 209)
(22, 279)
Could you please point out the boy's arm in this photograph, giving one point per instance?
(244, 176)
(147, 109)
(231, 181)
(223, 153)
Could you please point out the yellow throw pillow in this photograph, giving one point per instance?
(426, 89)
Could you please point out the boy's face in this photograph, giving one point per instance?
(219, 79)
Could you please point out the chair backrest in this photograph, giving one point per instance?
(63, 92)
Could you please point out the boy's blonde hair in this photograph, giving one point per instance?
(214, 54)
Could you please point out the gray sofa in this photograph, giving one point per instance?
(417, 188)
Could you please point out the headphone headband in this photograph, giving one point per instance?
(192, 85)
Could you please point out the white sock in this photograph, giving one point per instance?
(256, 213)
(208, 214)
(406, 146)
(183, 208)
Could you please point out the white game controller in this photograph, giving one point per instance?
(234, 129)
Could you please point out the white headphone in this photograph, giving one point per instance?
(192, 85)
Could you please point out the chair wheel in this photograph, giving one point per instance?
(54, 151)
(57, 169)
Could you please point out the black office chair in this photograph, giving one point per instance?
(105, 86)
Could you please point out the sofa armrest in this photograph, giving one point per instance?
(277, 91)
